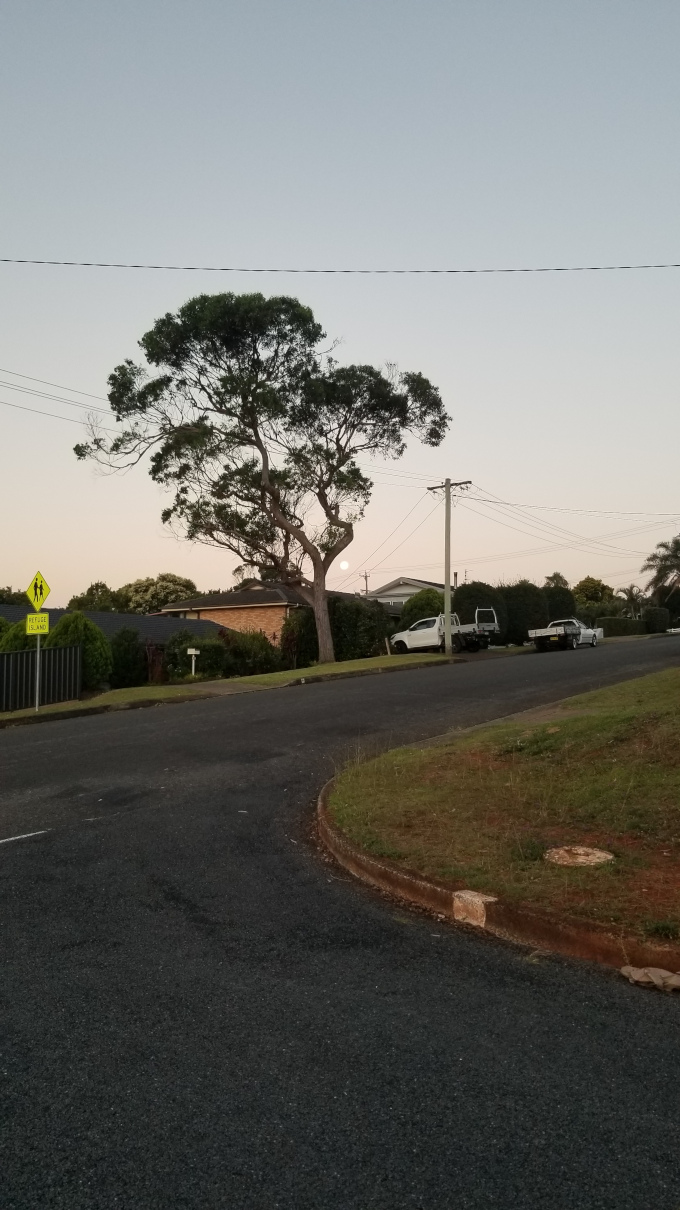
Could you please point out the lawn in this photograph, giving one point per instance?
(479, 811)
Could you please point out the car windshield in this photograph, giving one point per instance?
(424, 624)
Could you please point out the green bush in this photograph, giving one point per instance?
(527, 608)
(656, 618)
(427, 603)
(359, 628)
(210, 663)
(129, 660)
(4, 626)
(14, 638)
(478, 595)
(612, 627)
(561, 603)
(248, 653)
(75, 628)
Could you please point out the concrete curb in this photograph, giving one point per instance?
(573, 938)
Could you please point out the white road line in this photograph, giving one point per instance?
(25, 835)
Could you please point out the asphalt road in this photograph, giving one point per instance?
(200, 1012)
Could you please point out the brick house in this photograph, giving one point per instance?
(254, 605)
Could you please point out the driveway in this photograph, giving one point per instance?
(200, 1012)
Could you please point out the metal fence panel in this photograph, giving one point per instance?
(60, 677)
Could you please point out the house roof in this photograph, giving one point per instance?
(404, 582)
(253, 593)
(153, 628)
(237, 598)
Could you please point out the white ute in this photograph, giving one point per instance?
(428, 633)
(568, 632)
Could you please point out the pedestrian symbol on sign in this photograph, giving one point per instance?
(38, 591)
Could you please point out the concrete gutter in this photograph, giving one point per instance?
(540, 930)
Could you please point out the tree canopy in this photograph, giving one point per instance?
(258, 433)
(664, 563)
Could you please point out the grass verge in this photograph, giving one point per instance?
(479, 811)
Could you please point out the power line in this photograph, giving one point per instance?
(89, 264)
(88, 407)
(37, 412)
(398, 526)
(45, 383)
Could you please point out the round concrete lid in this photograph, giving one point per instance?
(577, 854)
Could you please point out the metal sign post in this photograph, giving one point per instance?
(193, 652)
(38, 623)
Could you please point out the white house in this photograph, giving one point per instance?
(395, 594)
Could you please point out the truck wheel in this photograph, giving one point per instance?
(541, 645)
(574, 643)
(456, 644)
(473, 645)
(593, 641)
(401, 647)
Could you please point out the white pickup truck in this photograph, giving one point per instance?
(568, 632)
(428, 633)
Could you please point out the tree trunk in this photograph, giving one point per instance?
(321, 617)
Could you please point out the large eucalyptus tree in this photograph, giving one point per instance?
(258, 433)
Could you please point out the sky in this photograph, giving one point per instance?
(336, 133)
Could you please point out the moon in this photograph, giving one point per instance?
(344, 566)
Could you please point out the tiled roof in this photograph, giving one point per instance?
(271, 594)
(152, 627)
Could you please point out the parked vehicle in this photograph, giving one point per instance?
(568, 632)
(428, 633)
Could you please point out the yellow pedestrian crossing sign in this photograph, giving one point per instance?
(38, 623)
(38, 591)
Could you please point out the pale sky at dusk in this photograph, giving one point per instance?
(389, 134)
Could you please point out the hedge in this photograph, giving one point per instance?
(228, 653)
(656, 618)
(612, 627)
(74, 628)
(427, 603)
(14, 638)
(129, 660)
(359, 628)
(478, 595)
(561, 603)
(210, 662)
(527, 608)
(248, 653)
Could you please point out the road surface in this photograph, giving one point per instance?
(199, 1012)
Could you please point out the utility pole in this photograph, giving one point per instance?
(365, 575)
(446, 486)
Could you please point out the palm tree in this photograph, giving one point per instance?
(634, 598)
(665, 564)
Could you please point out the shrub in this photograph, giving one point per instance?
(4, 625)
(656, 618)
(527, 608)
(210, 663)
(359, 628)
(74, 628)
(14, 638)
(299, 643)
(248, 653)
(561, 603)
(618, 626)
(478, 595)
(427, 603)
(129, 660)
